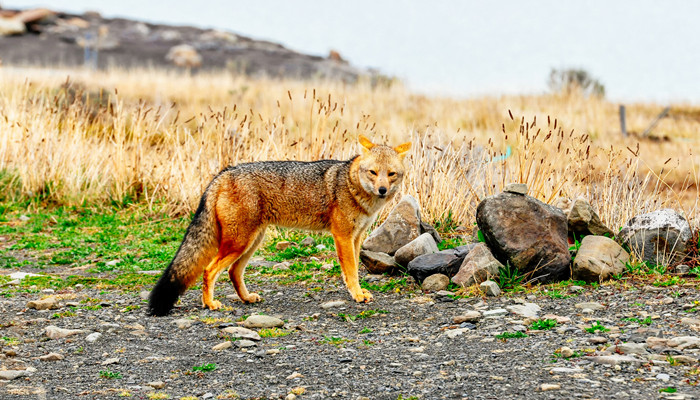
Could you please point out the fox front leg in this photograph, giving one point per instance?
(345, 247)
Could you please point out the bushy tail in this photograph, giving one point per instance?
(196, 250)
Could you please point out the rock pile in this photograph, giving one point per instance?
(523, 235)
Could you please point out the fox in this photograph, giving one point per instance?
(238, 205)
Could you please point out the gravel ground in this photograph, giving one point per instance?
(400, 349)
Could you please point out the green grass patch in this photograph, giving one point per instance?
(109, 374)
(644, 321)
(335, 340)
(543, 324)
(273, 332)
(510, 335)
(391, 285)
(363, 315)
(204, 367)
(597, 327)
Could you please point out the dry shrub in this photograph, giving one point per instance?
(159, 137)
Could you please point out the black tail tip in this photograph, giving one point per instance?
(163, 296)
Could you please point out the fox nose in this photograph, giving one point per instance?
(382, 190)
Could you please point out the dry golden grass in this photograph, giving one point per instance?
(159, 137)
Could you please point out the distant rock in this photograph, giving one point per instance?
(238, 332)
(526, 233)
(51, 357)
(599, 258)
(658, 237)
(400, 227)
(517, 188)
(222, 346)
(11, 26)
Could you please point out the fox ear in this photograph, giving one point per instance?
(402, 149)
(366, 143)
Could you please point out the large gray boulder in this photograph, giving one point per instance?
(478, 265)
(423, 244)
(658, 237)
(400, 227)
(526, 233)
(598, 259)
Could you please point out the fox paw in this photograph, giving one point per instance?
(363, 296)
(252, 298)
(214, 305)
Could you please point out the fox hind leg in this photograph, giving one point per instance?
(237, 271)
(211, 273)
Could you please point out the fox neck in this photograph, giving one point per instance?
(369, 202)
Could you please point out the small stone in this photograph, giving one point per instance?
(631, 348)
(564, 370)
(548, 386)
(517, 188)
(294, 375)
(499, 312)
(12, 374)
(144, 294)
(453, 333)
(663, 377)
(290, 396)
(597, 340)
(238, 332)
(682, 269)
(566, 352)
(283, 245)
(156, 384)
(207, 396)
(283, 266)
(262, 321)
(469, 316)
(693, 322)
(685, 360)
(527, 310)
(51, 357)
(423, 244)
(490, 288)
(183, 323)
(615, 359)
(684, 342)
(222, 346)
(560, 319)
(435, 283)
(24, 218)
(93, 337)
(49, 303)
(54, 332)
(576, 288)
(308, 242)
(245, 343)
(112, 263)
(377, 262)
(333, 304)
(110, 361)
(590, 306)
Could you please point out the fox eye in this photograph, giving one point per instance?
(373, 172)
(392, 173)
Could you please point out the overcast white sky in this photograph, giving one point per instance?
(640, 50)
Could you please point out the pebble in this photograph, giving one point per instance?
(615, 359)
(527, 310)
(183, 323)
(144, 294)
(435, 283)
(243, 343)
(490, 288)
(110, 361)
(333, 304)
(242, 333)
(283, 266)
(499, 312)
(222, 346)
(308, 241)
(49, 303)
(566, 352)
(590, 306)
(576, 288)
(12, 374)
(51, 357)
(517, 188)
(284, 244)
(630, 348)
(295, 375)
(93, 337)
(663, 377)
(262, 321)
(684, 342)
(54, 332)
(549, 386)
(469, 316)
(597, 340)
(564, 370)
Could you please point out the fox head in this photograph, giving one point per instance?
(381, 167)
